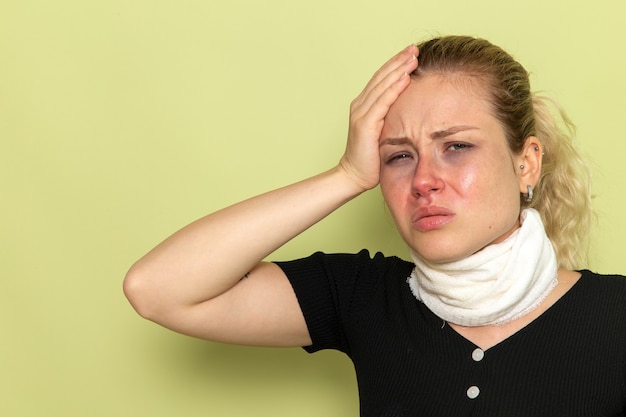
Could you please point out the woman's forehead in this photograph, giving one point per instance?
(440, 97)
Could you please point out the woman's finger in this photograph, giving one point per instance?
(382, 102)
(394, 62)
(371, 96)
(381, 78)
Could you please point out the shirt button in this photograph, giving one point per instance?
(473, 392)
(478, 354)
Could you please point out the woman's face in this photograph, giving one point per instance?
(447, 174)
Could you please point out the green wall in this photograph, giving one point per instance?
(121, 121)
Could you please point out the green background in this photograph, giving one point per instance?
(121, 121)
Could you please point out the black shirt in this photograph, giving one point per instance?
(570, 362)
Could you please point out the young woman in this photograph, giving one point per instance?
(490, 318)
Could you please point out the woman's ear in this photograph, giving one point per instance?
(530, 163)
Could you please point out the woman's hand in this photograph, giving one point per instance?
(361, 160)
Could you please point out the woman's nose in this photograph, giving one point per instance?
(427, 177)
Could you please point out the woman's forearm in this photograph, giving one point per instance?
(209, 256)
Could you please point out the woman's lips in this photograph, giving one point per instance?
(431, 218)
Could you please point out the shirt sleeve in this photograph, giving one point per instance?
(330, 289)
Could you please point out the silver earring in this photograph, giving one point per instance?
(529, 195)
(521, 166)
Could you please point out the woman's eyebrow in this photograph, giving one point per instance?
(450, 131)
(439, 134)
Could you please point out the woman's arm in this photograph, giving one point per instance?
(192, 282)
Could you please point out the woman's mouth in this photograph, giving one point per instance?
(432, 218)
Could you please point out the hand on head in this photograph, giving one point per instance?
(361, 159)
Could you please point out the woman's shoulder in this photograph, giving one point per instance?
(362, 272)
(603, 281)
(605, 289)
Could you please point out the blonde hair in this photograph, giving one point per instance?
(563, 194)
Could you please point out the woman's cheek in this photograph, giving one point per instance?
(467, 180)
(396, 180)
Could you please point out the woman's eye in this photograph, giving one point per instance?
(403, 156)
(459, 146)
